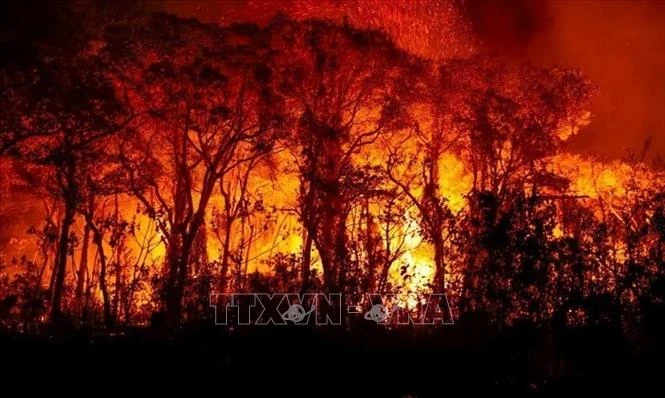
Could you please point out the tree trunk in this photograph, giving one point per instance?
(436, 219)
(331, 245)
(383, 280)
(372, 242)
(118, 268)
(178, 270)
(172, 297)
(341, 254)
(440, 271)
(83, 267)
(306, 263)
(227, 252)
(106, 299)
(60, 266)
(179, 260)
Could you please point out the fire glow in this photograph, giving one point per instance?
(311, 154)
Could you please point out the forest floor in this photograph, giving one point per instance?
(312, 362)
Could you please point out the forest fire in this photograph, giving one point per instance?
(156, 154)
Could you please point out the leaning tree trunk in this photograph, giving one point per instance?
(226, 255)
(103, 269)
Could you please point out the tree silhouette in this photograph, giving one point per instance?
(63, 120)
(341, 84)
(208, 115)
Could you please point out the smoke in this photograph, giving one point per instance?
(619, 45)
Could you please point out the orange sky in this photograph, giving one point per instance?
(620, 45)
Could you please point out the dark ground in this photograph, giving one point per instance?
(326, 361)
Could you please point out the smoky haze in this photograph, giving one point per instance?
(620, 46)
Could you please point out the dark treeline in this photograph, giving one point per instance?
(105, 109)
